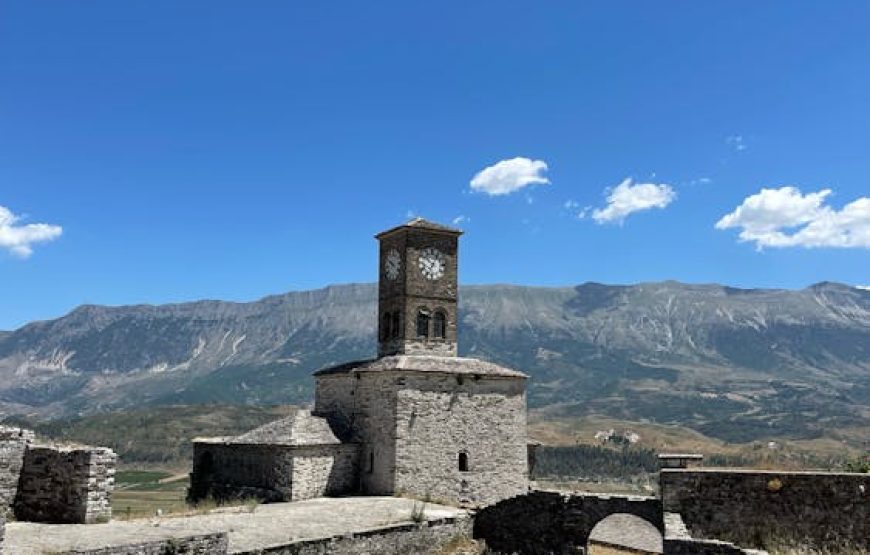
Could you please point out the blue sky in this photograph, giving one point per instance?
(186, 150)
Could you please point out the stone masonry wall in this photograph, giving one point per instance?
(226, 471)
(2, 530)
(205, 544)
(543, 522)
(13, 443)
(336, 394)
(375, 422)
(272, 472)
(325, 470)
(748, 507)
(424, 538)
(442, 417)
(66, 485)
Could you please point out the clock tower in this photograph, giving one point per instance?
(417, 289)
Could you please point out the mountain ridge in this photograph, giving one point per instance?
(727, 361)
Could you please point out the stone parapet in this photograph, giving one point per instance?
(13, 444)
(751, 507)
(66, 485)
(204, 544)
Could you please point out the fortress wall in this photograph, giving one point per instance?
(231, 471)
(204, 544)
(66, 485)
(13, 444)
(271, 472)
(322, 470)
(749, 506)
(424, 538)
(440, 416)
(555, 521)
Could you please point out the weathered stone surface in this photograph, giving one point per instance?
(400, 299)
(208, 544)
(749, 506)
(280, 472)
(300, 428)
(414, 422)
(544, 522)
(13, 444)
(422, 538)
(263, 529)
(66, 484)
(424, 363)
(2, 530)
(678, 541)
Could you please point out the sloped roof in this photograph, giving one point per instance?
(424, 363)
(421, 223)
(300, 428)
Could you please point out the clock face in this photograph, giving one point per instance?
(432, 263)
(393, 264)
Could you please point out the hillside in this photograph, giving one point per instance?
(734, 364)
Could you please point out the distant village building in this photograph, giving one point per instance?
(417, 420)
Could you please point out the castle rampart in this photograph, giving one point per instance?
(749, 506)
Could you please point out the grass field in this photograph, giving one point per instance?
(142, 493)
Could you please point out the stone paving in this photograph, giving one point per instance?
(263, 526)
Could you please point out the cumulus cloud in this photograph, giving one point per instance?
(785, 217)
(627, 198)
(19, 239)
(507, 176)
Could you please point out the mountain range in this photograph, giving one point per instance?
(736, 364)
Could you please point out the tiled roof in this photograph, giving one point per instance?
(300, 428)
(424, 363)
(421, 223)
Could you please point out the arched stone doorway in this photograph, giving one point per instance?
(623, 533)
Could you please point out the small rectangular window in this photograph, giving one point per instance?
(463, 462)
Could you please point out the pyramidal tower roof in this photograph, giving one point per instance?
(421, 223)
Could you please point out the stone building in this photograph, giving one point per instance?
(417, 420)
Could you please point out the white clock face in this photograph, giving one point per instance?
(432, 263)
(393, 264)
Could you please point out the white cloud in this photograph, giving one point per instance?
(864, 287)
(459, 220)
(785, 217)
(508, 176)
(627, 198)
(736, 142)
(19, 239)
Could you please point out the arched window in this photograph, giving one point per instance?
(396, 326)
(463, 462)
(385, 327)
(439, 325)
(423, 323)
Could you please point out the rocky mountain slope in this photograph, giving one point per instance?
(736, 364)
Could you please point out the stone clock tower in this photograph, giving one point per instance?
(417, 290)
(417, 420)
